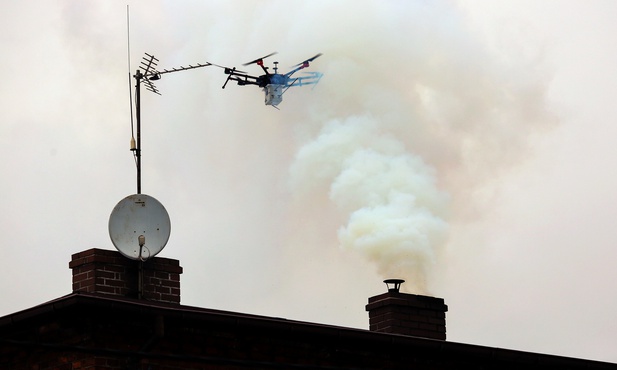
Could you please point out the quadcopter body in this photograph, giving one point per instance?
(275, 84)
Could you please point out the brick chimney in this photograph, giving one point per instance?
(109, 272)
(408, 314)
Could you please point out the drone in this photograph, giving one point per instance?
(275, 84)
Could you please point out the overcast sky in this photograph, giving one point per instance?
(467, 147)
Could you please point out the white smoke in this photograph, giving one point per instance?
(413, 119)
(396, 213)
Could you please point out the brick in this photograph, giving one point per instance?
(161, 275)
(114, 283)
(80, 276)
(106, 274)
(87, 282)
(170, 283)
(114, 268)
(162, 290)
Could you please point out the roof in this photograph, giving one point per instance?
(201, 322)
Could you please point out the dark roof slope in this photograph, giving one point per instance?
(165, 334)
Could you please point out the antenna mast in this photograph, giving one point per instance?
(146, 74)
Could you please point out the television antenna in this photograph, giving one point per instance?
(139, 225)
(146, 74)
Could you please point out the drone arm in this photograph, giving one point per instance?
(243, 81)
(288, 74)
(290, 85)
(241, 77)
(312, 79)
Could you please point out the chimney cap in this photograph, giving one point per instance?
(394, 284)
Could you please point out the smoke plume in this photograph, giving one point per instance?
(396, 213)
(414, 117)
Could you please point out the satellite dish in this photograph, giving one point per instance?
(139, 227)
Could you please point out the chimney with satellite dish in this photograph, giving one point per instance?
(407, 314)
(108, 272)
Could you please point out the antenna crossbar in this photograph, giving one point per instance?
(148, 62)
(148, 66)
(181, 68)
(150, 87)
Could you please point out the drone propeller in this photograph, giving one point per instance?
(259, 61)
(306, 62)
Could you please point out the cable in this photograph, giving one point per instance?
(128, 45)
